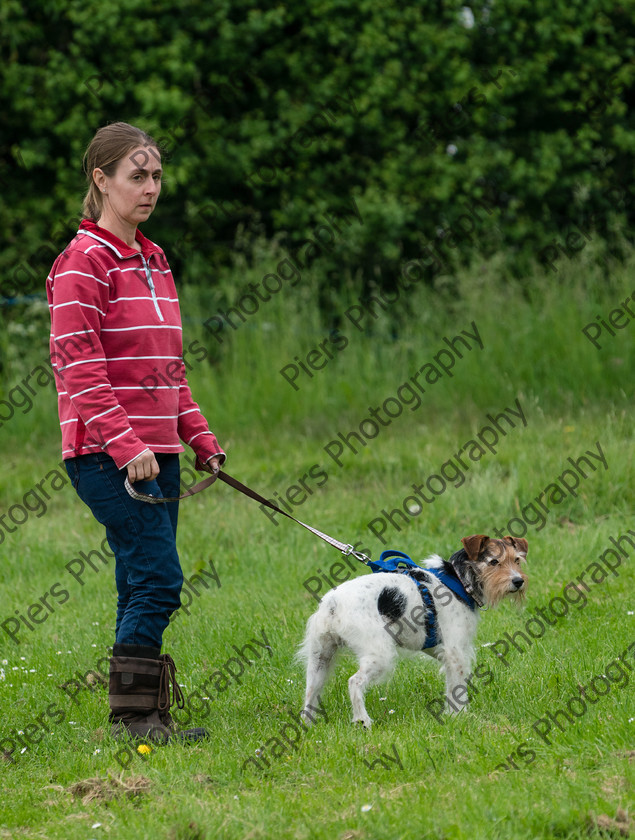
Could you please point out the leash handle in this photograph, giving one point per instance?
(345, 548)
(160, 500)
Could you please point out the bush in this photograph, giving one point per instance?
(456, 130)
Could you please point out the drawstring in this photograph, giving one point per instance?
(167, 680)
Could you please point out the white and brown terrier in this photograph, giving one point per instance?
(433, 609)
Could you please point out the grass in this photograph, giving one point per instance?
(413, 775)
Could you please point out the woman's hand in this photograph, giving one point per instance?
(212, 465)
(143, 468)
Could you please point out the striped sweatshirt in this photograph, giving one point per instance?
(117, 351)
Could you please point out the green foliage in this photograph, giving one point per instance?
(280, 114)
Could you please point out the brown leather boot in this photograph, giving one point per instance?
(139, 695)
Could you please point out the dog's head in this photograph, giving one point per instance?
(492, 568)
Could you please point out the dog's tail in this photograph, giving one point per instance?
(317, 652)
(310, 645)
(320, 642)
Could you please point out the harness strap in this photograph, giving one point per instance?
(396, 561)
(455, 585)
(392, 560)
(431, 616)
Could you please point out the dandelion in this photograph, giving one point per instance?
(144, 749)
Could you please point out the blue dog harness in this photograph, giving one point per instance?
(398, 562)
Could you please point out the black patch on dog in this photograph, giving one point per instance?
(391, 603)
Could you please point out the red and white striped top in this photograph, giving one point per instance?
(117, 351)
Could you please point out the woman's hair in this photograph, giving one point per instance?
(109, 145)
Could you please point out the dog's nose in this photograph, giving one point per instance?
(518, 582)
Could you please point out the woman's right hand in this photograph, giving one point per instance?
(143, 468)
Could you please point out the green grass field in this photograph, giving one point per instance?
(503, 768)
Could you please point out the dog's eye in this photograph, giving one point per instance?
(493, 562)
(518, 560)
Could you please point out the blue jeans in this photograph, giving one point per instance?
(142, 537)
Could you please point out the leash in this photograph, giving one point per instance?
(345, 548)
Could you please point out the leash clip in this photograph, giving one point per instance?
(358, 555)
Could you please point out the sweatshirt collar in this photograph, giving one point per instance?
(121, 249)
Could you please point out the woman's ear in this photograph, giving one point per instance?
(100, 179)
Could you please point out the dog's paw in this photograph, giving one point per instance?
(450, 710)
(307, 717)
(365, 721)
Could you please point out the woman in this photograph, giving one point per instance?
(124, 406)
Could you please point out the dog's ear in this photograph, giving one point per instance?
(519, 544)
(473, 545)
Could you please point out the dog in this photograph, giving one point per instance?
(433, 609)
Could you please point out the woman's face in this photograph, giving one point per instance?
(132, 192)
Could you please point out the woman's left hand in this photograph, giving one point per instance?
(212, 465)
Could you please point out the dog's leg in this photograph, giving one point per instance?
(318, 668)
(457, 668)
(371, 670)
